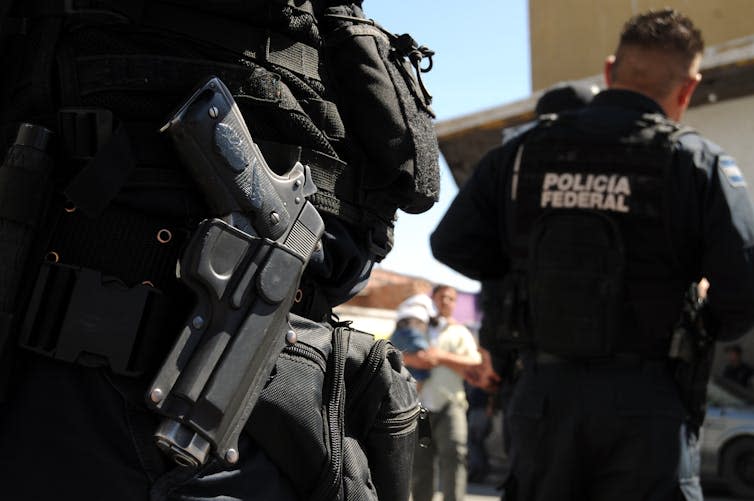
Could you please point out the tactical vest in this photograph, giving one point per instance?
(317, 84)
(594, 268)
(103, 75)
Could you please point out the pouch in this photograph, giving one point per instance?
(339, 415)
(387, 108)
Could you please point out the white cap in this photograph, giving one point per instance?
(419, 306)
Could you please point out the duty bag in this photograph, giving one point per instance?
(339, 415)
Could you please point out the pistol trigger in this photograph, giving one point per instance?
(309, 187)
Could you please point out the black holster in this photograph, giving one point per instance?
(692, 352)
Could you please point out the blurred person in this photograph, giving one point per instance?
(736, 369)
(410, 335)
(444, 396)
(482, 407)
(502, 371)
(565, 96)
(562, 96)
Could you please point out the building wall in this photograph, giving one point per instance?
(373, 309)
(377, 321)
(731, 125)
(570, 40)
(387, 289)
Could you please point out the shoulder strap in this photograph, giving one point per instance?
(682, 131)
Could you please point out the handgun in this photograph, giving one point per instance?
(244, 266)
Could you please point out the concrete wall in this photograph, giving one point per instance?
(731, 125)
(570, 39)
(379, 322)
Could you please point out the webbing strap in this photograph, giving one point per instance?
(89, 10)
(149, 73)
(134, 246)
(112, 159)
(338, 191)
(338, 186)
(152, 73)
(103, 176)
(311, 302)
(241, 38)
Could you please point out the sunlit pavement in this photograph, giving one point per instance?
(477, 492)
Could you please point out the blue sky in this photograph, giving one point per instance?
(481, 61)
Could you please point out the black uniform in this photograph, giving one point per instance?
(596, 415)
(104, 76)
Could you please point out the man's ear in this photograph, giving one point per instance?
(687, 90)
(609, 63)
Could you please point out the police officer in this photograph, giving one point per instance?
(598, 220)
(95, 304)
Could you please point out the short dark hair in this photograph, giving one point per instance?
(439, 287)
(666, 30)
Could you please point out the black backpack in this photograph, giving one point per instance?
(339, 415)
(581, 203)
(575, 283)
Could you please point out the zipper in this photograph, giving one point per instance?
(400, 423)
(334, 409)
(373, 363)
(308, 353)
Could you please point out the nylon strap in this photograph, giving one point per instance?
(164, 74)
(103, 176)
(254, 43)
(338, 186)
(120, 242)
(91, 9)
(147, 72)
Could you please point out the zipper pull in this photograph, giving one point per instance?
(425, 428)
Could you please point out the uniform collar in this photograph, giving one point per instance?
(627, 99)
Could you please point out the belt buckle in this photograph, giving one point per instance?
(80, 316)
